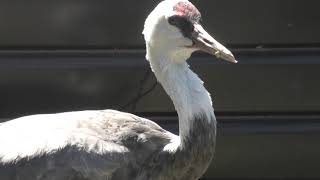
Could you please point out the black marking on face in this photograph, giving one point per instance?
(183, 24)
(186, 15)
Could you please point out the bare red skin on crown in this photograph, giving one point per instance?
(187, 9)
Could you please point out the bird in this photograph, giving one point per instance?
(113, 145)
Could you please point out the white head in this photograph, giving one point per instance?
(172, 33)
(173, 28)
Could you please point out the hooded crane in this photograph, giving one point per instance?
(113, 145)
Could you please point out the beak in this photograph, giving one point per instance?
(204, 42)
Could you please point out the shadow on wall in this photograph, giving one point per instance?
(118, 24)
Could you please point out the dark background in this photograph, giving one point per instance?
(118, 24)
(68, 55)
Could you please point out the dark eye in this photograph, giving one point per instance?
(182, 23)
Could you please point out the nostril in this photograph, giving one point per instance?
(207, 41)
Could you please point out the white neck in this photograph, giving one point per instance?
(191, 100)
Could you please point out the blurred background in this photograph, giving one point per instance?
(67, 55)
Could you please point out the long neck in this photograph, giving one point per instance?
(191, 100)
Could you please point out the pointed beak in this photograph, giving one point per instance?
(204, 42)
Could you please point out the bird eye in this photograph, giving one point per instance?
(183, 24)
(173, 20)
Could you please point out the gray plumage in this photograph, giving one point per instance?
(112, 145)
(106, 143)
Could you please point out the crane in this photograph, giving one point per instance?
(113, 145)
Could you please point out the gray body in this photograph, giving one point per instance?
(137, 153)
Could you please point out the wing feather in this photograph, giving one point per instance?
(92, 143)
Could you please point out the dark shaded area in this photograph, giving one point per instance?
(118, 24)
(260, 83)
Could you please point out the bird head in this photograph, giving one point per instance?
(173, 27)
